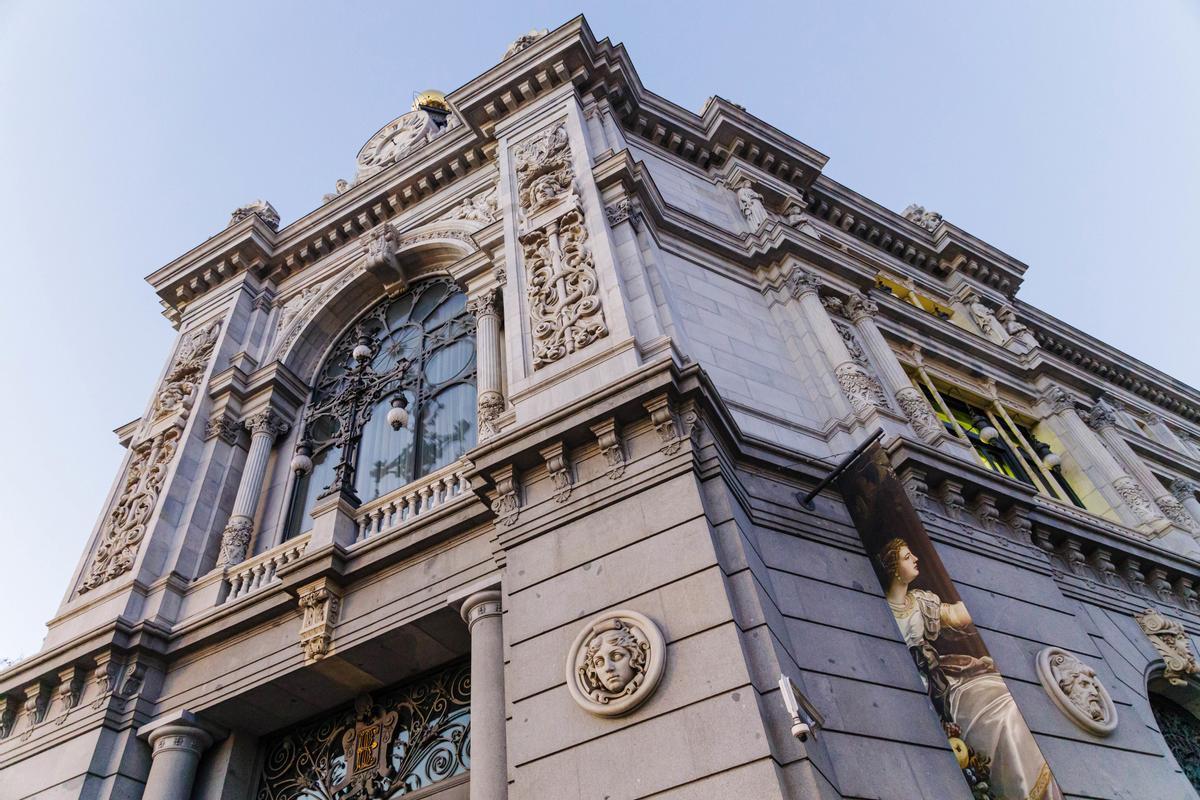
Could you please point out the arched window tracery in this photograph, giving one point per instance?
(415, 351)
(1181, 730)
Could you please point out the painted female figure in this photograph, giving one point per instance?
(963, 682)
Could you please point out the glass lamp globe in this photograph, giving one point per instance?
(397, 415)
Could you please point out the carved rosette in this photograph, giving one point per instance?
(235, 541)
(615, 663)
(320, 604)
(857, 386)
(924, 421)
(1171, 641)
(1075, 689)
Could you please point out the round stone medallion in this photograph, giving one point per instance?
(1075, 689)
(616, 662)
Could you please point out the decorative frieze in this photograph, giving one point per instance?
(1074, 688)
(1171, 641)
(320, 605)
(615, 663)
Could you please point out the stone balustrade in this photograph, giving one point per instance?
(254, 573)
(404, 505)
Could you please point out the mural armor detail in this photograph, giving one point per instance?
(615, 663)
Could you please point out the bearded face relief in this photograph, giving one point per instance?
(1075, 689)
(615, 663)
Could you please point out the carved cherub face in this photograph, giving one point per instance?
(1078, 682)
(614, 659)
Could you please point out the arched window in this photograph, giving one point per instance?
(415, 351)
(1181, 730)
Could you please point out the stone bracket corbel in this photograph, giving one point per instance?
(320, 607)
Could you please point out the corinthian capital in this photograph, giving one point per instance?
(1102, 415)
(1183, 489)
(268, 422)
(801, 282)
(859, 306)
(483, 305)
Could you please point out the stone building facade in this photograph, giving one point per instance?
(481, 479)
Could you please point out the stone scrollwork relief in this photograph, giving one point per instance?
(544, 169)
(507, 505)
(479, 208)
(615, 663)
(858, 387)
(125, 526)
(1075, 689)
(235, 541)
(558, 466)
(1171, 641)
(608, 437)
(320, 605)
(178, 389)
(924, 421)
(1135, 497)
(563, 290)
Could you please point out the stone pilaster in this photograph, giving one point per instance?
(264, 427)
(488, 355)
(176, 751)
(482, 612)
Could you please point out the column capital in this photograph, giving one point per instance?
(268, 422)
(1103, 415)
(860, 306)
(1183, 489)
(1058, 400)
(180, 737)
(486, 603)
(801, 282)
(484, 303)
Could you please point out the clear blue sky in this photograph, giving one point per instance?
(1065, 133)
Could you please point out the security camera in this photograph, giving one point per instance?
(801, 730)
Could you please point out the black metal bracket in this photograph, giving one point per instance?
(806, 500)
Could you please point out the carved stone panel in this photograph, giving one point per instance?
(616, 662)
(320, 604)
(544, 169)
(1075, 689)
(1171, 641)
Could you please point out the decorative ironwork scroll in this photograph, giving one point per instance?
(402, 740)
(995, 749)
(1181, 730)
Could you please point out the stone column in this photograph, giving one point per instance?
(487, 354)
(1185, 492)
(861, 311)
(1087, 448)
(855, 383)
(1104, 419)
(176, 751)
(263, 427)
(489, 754)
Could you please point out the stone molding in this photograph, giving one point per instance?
(1074, 688)
(615, 663)
(487, 603)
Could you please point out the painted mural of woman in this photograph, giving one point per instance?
(966, 689)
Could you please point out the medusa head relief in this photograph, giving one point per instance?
(615, 663)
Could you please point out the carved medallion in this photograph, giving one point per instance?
(1075, 689)
(615, 663)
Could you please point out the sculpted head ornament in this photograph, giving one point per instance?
(615, 663)
(1075, 689)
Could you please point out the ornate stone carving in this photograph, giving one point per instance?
(558, 466)
(122, 531)
(70, 690)
(950, 493)
(662, 417)
(621, 211)
(544, 170)
(1171, 641)
(37, 702)
(1185, 587)
(1131, 571)
(800, 282)
(1059, 400)
(401, 137)
(852, 345)
(609, 439)
(1135, 497)
(565, 311)
(9, 708)
(340, 186)
(269, 422)
(223, 426)
(307, 308)
(1103, 415)
(1075, 689)
(489, 408)
(915, 486)
(859, 306)
(265, 211)
(235, 541)
(1007, 317)
(1183, 490)
(983, 317)
(379, 248)
(178, 389)
(1173, 510)
(751, 204)
(1156, 579)
(983, 506)
(482, 305)
(1102, 563)
(1018, 521)
(929, 220)
(924, 421)
(615, 663)
(524, 41)
(857, 386)
(320, 604)
(366, 748)
(507, 505)
(480, 208)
